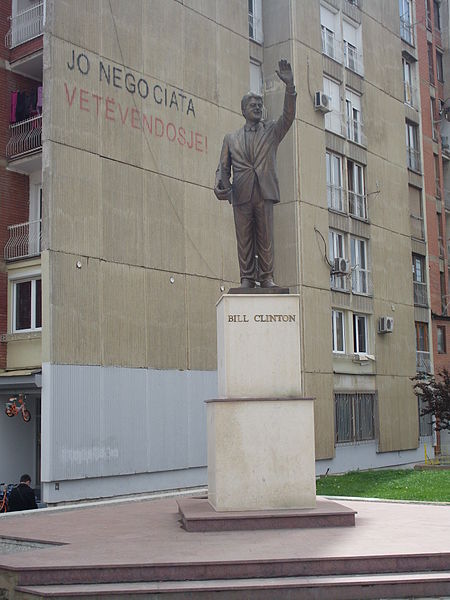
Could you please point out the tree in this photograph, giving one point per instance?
(435, 396)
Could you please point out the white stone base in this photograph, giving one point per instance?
(261, 454)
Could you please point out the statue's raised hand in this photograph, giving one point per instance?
(284, 72)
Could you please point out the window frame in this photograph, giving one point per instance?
(359, 196)
(441, 340)
(255, 30)
(406, 24)
(439, 66)
(334, 188)
(336, 240)
(360, 265)
(412, 146)
(358, 318)
(338, 348)
(353, 115)
(35, 303)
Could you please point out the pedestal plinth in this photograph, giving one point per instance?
(260, 429)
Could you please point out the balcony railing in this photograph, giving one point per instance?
(355, 132)
(25, 137)
(406, 31)
(413, 159)
(420, 293)
(353, 59)
(423, 362)
(417, 227)
(25, 26)
(330, 45)
(24, 240)
(335, 196)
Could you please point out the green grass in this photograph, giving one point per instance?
(432, 486)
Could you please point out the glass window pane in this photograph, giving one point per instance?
(343, 403)
(23, 305)
(38, 304)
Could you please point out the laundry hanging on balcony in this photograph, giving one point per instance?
(25, 105)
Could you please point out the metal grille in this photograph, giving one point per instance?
(355, 420)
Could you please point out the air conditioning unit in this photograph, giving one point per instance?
(341, 266)
(322, 102)
(385, 325)
(444, 140)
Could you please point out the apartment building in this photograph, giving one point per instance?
(115, 250)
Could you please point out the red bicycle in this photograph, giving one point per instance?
(12, 409)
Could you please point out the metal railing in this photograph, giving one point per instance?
(353, 59)
(423, 362)
(357, 205)
(25, 137)
(335, 196)
(406, 31)
(420, 293)
(25, 26)
(355, 132)
(340, 283)
(417, 227)
(330, 45)
(413, 159)
(24, 240)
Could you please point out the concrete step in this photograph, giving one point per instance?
(355, 587)
(239, 569)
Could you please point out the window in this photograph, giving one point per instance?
(437, 16)
(439, 67)
(352, 44)
(360, 272)
(354, 417)
(437, 176)
(27, 310)
(428, 8)
(425, 421)
(419, 279)
(255, 31)
(406, 26)
(256, 78)
(329, 25)
(356, 195)
(333, 119)
(353, 115)
(337, 250)
(441, 341)
(359, 334)
(412, 147)
(335, 192)
(423, 363)
(430, 63)
(338, 331)
(444, 297)
(408, 87)
(433, 118)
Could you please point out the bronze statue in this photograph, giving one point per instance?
(251, 153)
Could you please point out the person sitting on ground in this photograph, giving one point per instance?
(22, 496)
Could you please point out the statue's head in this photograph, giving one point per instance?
(252, 107)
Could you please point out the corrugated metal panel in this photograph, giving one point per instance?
(104, 421)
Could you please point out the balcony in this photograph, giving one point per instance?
(24, 240)
(420, 294)
(423, 362)
(25, 138)
(353, 59)
(330, 45)
(25, 26)
(413, 159)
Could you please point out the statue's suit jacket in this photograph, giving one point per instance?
(263, 166)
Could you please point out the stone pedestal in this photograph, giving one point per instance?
(260, 429)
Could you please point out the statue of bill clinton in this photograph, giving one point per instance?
(251, 153)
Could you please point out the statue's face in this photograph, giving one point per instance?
(253, 110)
